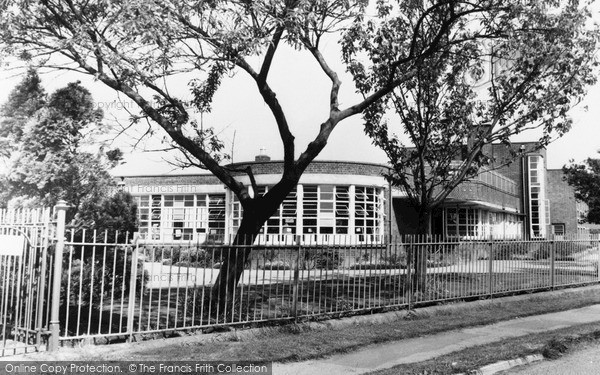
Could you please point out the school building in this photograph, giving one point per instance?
(352, 202)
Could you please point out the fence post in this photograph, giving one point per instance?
(43, 274)
(491, 266)
(132, 288)
(296, 278)
(61, 212)
(409, 259)
(552, 267)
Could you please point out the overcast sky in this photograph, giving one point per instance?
(245, 124)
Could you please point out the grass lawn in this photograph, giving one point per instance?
(304, 341)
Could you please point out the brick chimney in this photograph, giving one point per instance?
(262, 156)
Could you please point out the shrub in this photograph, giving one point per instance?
(385, 262)
(324, 258)
(509, 250)
(438, 263)
(563, 250)
(276, 265)
(376, 266)
(453, 253)
(394, 260)
(183, 256)
(98, 276)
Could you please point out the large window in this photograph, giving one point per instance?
(367, 212)
(283, 221)
(537, 201)
(463, 222)
(181, 217)
(326, 209)
(321, 212)
(481, 223)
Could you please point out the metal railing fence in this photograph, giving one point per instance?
(24, 271)
(116, 287)
(59, 286)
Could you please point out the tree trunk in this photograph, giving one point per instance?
(236, 255)
(419, 253)
(234, 258)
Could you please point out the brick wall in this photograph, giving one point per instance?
(563, 206)
(172, 180)
(317, 167)
(478, 191)
(514, 170)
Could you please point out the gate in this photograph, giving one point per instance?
(25, 256)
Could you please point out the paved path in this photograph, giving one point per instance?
(423, 348)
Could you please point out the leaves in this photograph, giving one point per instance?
(585, 178)
(48, 163)
(23, 102)
(481, 72)
(203, 92)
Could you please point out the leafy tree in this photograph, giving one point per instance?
(135, 48)
(46, 136)
(115, 213)
(470, 93)
(48, 163)
(23, 102)
(585, 178)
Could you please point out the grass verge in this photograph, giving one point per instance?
(551, 345)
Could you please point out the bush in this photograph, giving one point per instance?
(376, 266)
(385, 262)
(438, 263)
(183, 256)
(394, 260)
(510, 250)
(324, 258)
(99, 276)
(276, 265)
(563, 250)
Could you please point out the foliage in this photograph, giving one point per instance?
(91, 279)
(328, 259)
(562, 250)
(47, 135)
(137, 48)
(387, 260)
(508, 250)
(23, 102)
(276, 265)
(472, 91)
(585, 178)
(103, 270)
(113, 217)
(184, 256)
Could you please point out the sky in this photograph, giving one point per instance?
(246, 126)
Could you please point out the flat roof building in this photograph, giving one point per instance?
(349, 202)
